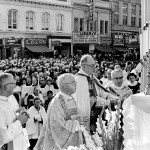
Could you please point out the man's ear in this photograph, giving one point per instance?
(5, 87)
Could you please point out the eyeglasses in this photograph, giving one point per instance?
(10, 83)
(92, 66)
(118, 78)
(73, 82)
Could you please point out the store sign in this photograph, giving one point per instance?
(56, 43)
(37, 41)
(12, 41)
(91, 9)
(85, 37)
(131, 39)
(119, 39)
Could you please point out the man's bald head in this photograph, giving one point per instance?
(87, 59)
(88, 64)
(65, 78)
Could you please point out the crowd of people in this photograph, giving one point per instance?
(44, 101)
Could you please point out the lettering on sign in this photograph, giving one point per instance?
(86, 37)
(39, 41)
(13, 41)
(56, 43)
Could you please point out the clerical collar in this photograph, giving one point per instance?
(65, 95)
(82, 72)
(3, 98)
(118, 88)
(133, 84)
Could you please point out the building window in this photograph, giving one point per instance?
(30, 17)
(140, 11)
(106, 27)
(96, 24)
(116, 19)
(133, 9)
(76, 25)
(45, 21)
(91, 26)
(101, 26)
(81, 24)
(125, 20)
(116, 6)
(133, 21)
(139, 22)
(12, 19)
(59, 22)
(125, 8)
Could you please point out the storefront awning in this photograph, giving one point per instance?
(122, 49)
(39, 49)
(133, 45)
(106, 49)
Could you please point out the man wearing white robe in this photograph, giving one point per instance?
(34, 124)
(82, 95)
(11, 133)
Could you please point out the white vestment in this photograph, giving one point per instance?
(136, 112)
(11, 131)
(34, 128)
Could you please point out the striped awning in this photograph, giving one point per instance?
(39, 49)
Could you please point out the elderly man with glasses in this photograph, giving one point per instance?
(11, 130)
(117, 86)
(90, 95)
(62, 128)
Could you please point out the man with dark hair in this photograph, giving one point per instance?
(48, 100)
(34, 125)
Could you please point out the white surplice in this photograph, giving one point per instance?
(136, 112)
(11, 131)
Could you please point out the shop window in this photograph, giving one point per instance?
(59, 22)
(12, 19)
(30, 20)
(45, 21)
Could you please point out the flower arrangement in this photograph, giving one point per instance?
(106, 137)
(112, 132)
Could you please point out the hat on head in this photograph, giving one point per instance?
(131, 74)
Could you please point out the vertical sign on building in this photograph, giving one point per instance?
(91, 7)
